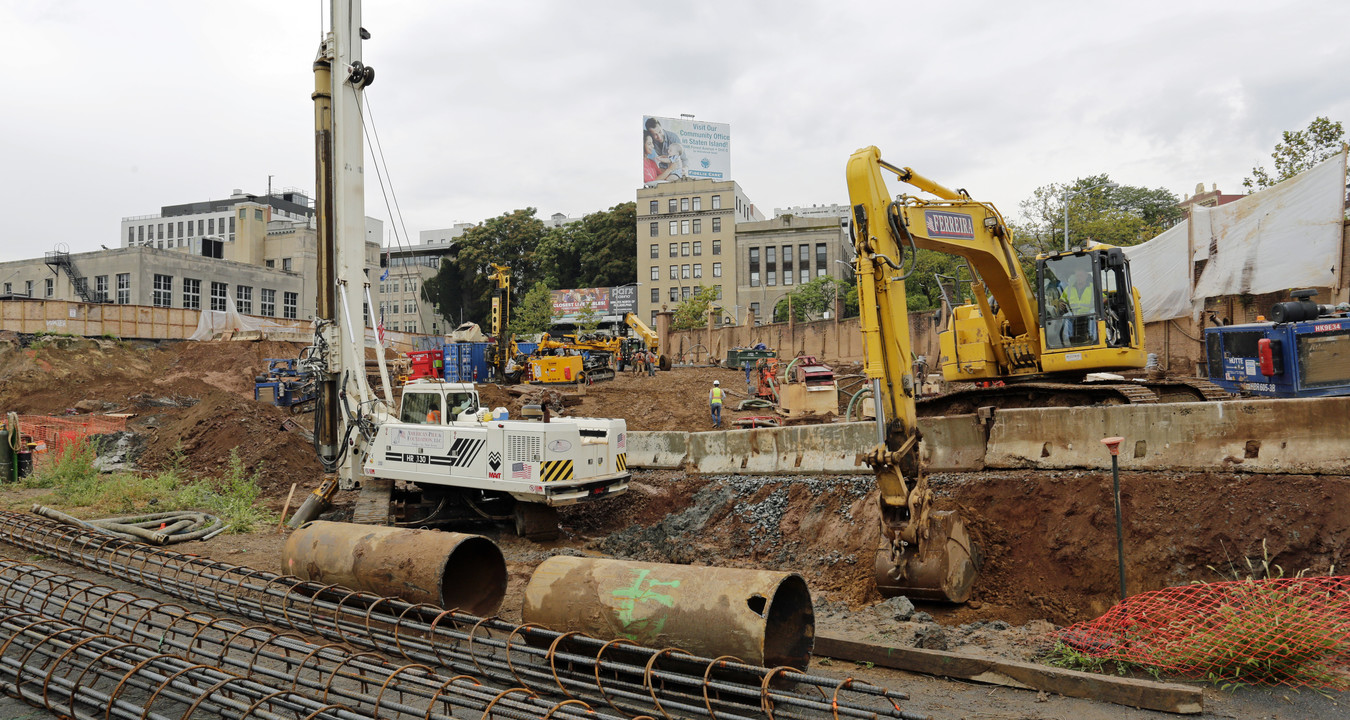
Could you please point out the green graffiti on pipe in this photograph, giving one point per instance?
(643, 590)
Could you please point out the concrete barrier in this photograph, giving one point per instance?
(660, 450)
(955, 443)
(1269, 436)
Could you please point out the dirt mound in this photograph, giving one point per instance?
(1048, 537)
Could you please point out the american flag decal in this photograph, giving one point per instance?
(521, 471)
(622, 440)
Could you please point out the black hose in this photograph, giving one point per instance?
(901, 231)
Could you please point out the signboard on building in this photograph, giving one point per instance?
(684, 148)
(568, 304)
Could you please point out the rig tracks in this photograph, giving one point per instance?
(568, 666)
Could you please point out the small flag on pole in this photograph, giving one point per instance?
(385, 275)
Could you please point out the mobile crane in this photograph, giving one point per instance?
(441, 446)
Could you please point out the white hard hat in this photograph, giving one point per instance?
(716, 383)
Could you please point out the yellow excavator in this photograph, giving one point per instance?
(1079, 315)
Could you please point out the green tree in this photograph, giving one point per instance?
(588, 318)
(600, 250)
(812, 300)
(1122, 215)
(534, 312)
(1300, 151)
(462, 284)
(693, 312)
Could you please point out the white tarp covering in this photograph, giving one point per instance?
(1283, 237)
(1158, 269)
(212, 323)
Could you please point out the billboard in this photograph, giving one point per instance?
(568, 304)
(680, 148)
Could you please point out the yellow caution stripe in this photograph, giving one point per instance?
(622, 461)
(556, 470)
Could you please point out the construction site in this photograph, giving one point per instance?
(1098, 480)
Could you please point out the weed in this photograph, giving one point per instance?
(74, 467)
(1064, 656)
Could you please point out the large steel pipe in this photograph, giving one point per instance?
(448, 569)
(762, 617)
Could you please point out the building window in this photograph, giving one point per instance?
(674, 249)
(28, 288)
(674, 227)
(717, 225)
(160, 230)
(674, 272)
(698, 270)
(210, 226)
(698, 203)
(684, 227)
(131, 236)
(717, 202)
(409, 285)
(393, 307)
(100, 288)
(754, 308)
(716, 244)
(49, 288)
(201, 227)
(656, 294)
(271, 264)
(140, 233)
(653, 207)
(684, 249)
(787, 264)
(804, 257)
(170, 233)
(410, 327)
(684, 272)
(267, 299)
(653, 323)
(656, 251)
(655, 229)
(698, 225)
(123, 288)
(754, 267)
(243, 297)
(219, 296)
(672, 206)
(684, 204)
(286, 265)
(717, 269)
(9, 287)
(656, 272)
(180, 228)
(674, 294)
(192, 294)
(288, 305)
(684, 293)
(162, 292)
(821, 262)
(410, 307)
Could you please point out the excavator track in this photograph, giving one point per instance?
(1036, 395)
(1173, 390)
(372, 502)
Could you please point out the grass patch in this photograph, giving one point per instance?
(76, 483)
(1064, 656)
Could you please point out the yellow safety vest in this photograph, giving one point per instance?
(1080, 302)
(716, 397)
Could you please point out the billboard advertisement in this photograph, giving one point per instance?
(684, 148)
(568, 304)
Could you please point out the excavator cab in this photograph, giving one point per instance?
(1089, 311)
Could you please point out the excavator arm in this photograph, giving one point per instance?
(924, 553)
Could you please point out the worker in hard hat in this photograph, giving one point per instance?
(715, 402)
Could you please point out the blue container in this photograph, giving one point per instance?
(527, 347)
(480, 360)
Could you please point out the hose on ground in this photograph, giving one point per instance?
(163, 528)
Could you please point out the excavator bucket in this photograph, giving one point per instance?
(942, 569)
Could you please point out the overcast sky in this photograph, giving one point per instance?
(113, 109)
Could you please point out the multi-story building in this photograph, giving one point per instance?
(260, 251)
(775, 257)
(409, 268)
(686, 236)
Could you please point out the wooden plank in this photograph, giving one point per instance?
(1146, 694)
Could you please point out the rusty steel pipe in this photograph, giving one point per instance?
(760, 616)
(449, 569)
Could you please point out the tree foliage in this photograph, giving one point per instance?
(1300, 151)
(812, 300)
(1122, 215)
(600, 250)
(533, 313)
(693, 312)
(588, 319)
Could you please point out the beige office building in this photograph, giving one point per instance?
(775, 257)
(686, 237)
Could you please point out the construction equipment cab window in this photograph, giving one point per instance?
(421, 408)
(1081, 297)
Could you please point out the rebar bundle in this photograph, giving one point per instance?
(363, 682)
(570, 666)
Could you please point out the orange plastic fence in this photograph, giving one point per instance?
(1287, 631)
(52, 435)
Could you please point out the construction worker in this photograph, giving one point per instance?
(715, 402)
(434, 416)
(651, 364)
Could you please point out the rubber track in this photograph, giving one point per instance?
(1090, 393)
(372, 503)
(1204, 388)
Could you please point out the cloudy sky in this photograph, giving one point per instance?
(112, 109)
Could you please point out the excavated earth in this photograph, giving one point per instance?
(1048, 537)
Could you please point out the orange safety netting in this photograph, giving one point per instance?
(1286, 631)
(52, 435)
